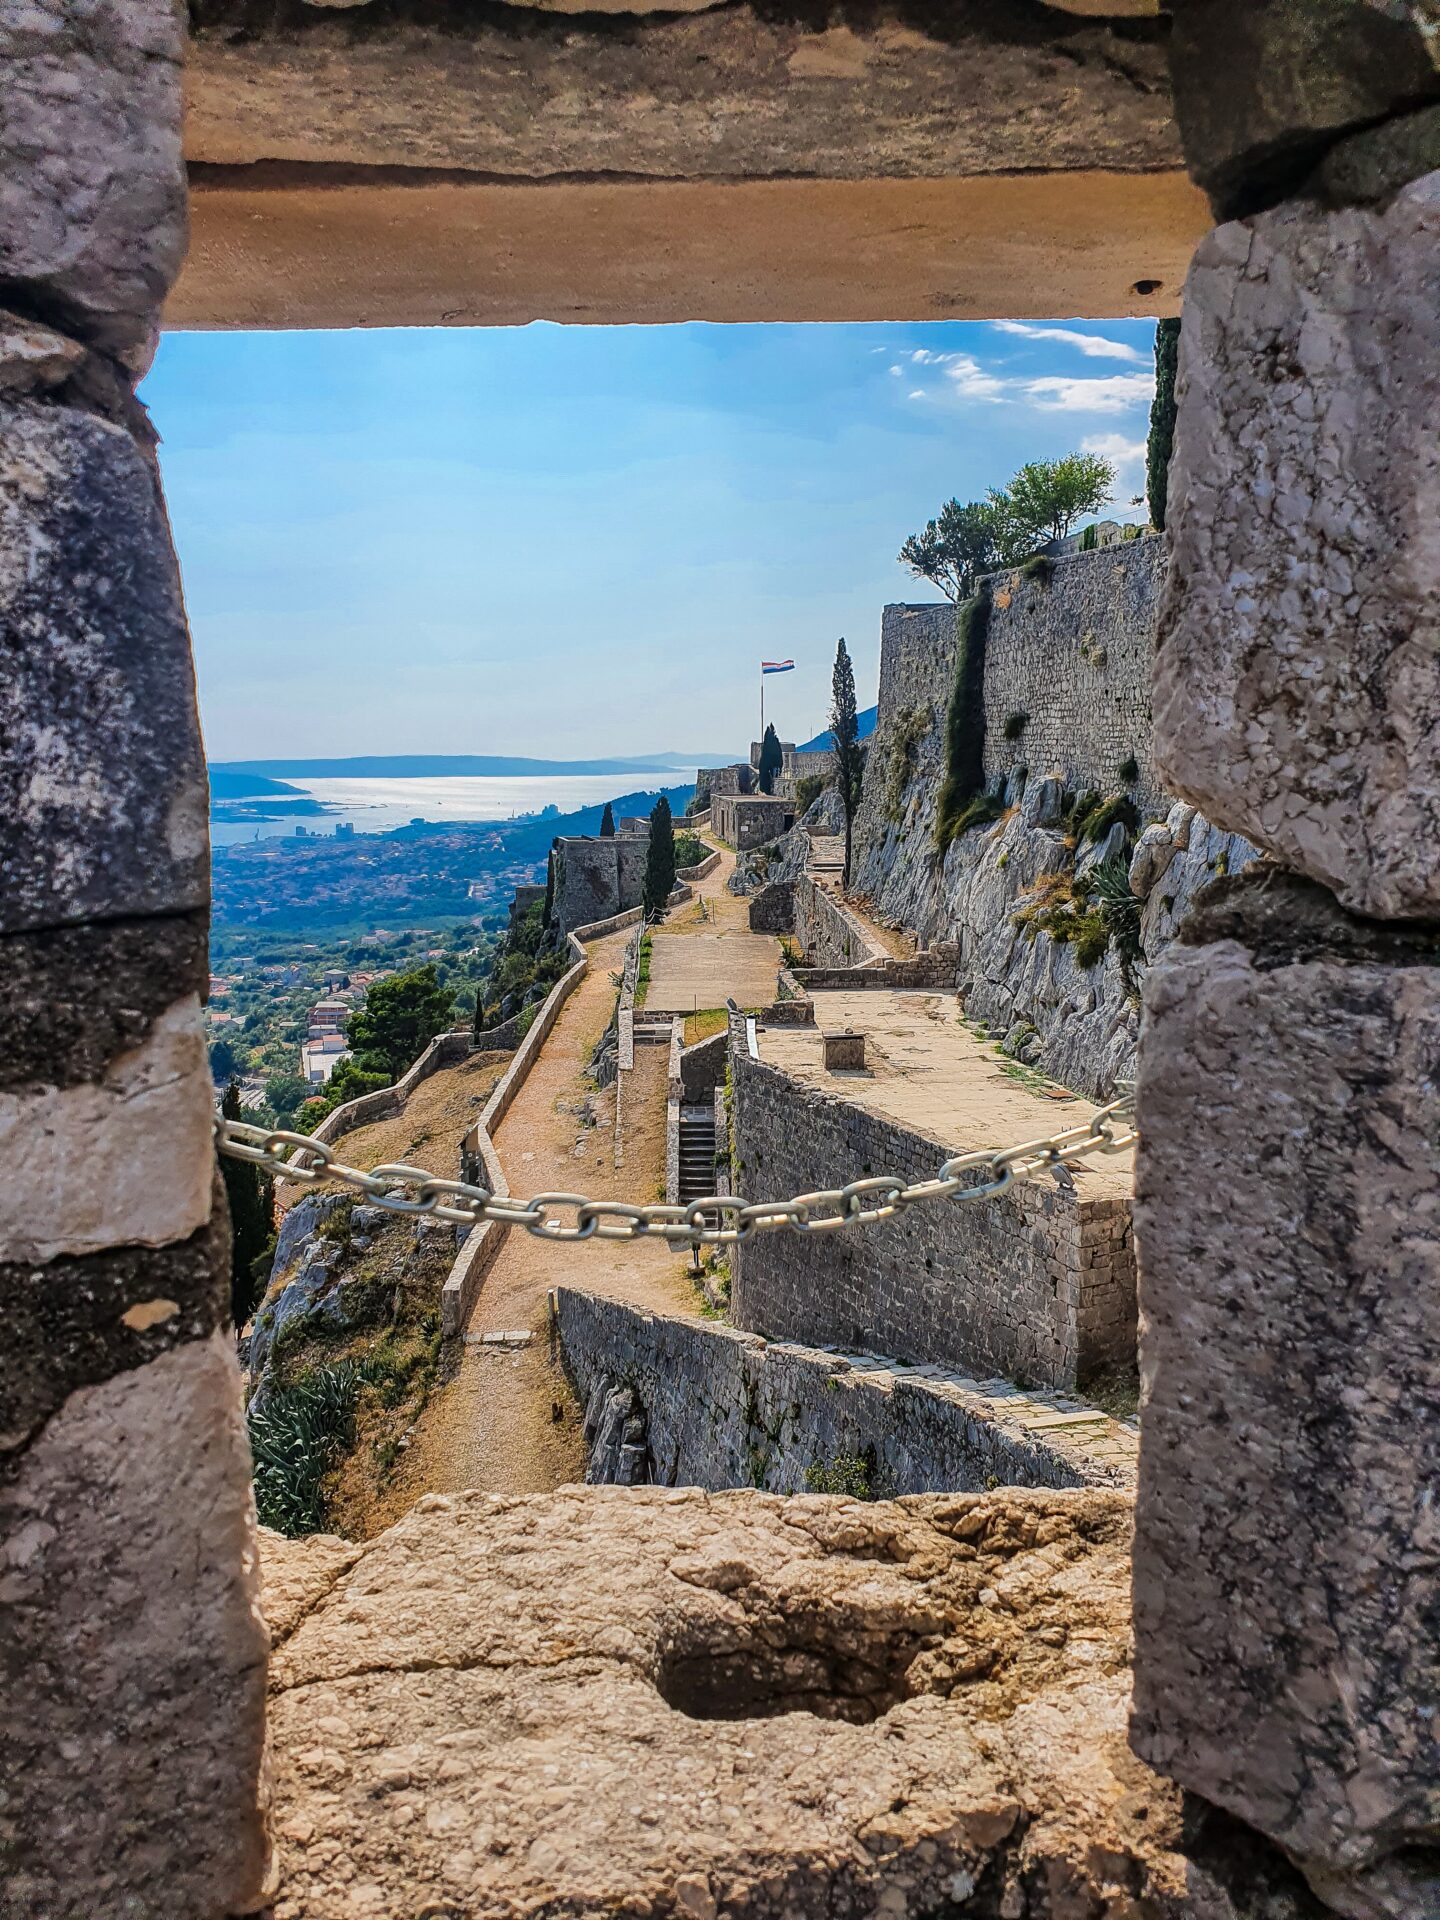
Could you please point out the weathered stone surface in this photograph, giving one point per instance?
(1261, 90)
(34, 358)
(721, 1408)
(92, 183)
(74, 1322)
(102, 783)
(124, 1160)
(133, 1652)
(1288, 1219)
(72, 998)
(1368, 168)
(974, 87)
(1297, 686)
(603, 1701)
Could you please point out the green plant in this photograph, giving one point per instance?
(1091, 815)
(852, 1474)
(1015, 725)
(808, 789)
(846, 748)
(1047, 497)
(659, 858)
(771, 760)
(1090, 538)
(399, 1019)
(295, 1439)
(690, 850)
(1129, 770)
(965, 721)
(642, 976)
(909, 728)
(1039, 567)
(790, 952)
(607, 822)
(959, 545)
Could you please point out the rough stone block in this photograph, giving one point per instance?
(1288, 1221)
(102, 781)
(1262, 89)
(92, 184)
(1297, 684)
(134, 1652)
(844, 1052)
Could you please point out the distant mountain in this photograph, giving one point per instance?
(430, 766)
(232, 783)
(865, 723)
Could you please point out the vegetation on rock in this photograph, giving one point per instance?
(1161, 441)
(965, 724)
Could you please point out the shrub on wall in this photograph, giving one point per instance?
(909, 728)
(965, 721)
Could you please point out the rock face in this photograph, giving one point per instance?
(1285, 1576)
(102, 791)
(680, 1704)
(1297, 688)
(92, 188)
(130, 1593)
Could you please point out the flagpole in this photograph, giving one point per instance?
(762, 709)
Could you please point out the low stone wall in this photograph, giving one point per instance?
(443, 1051)
(689, 1403)
(1037, 1284)
(822, 926)
(702, 1067)
(702, 870)
(934, 970)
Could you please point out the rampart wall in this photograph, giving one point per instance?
(596, 879)
(1037, 1284)
(713, 1407)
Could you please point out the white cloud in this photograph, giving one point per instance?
(918, 393)
(1126, 456)
(972, 382)
(896, 371)
(1093, 345)
(1114, 393)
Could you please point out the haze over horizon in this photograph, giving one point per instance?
(571, 543)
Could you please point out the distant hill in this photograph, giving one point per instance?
(233, 783)
(430, 766)
(865, 722)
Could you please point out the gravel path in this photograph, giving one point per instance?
(492, 1425)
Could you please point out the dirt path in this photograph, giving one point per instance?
(705, 952)
(493, 1424)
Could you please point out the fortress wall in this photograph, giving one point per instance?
(721, 1408)
(1037, 1284)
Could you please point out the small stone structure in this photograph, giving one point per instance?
(596, 879)
(1037, 1284)
(843, 1052)
(523, 899)
(750, 820)
(688, 1403)
(713, 783)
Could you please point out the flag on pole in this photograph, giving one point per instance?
(777, 666)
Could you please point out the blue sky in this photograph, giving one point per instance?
(569, 541)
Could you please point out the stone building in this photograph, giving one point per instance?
(712, 783)
(750, 820)
(595, 879)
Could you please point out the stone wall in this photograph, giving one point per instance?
(597, 879)
(750, 820)
(1037, 1284)
(685, 1402)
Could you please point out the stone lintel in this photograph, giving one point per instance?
(305, 247)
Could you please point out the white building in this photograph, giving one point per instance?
(320, 1055)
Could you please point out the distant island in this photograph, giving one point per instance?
(425, 766)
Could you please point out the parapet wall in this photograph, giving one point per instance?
(1037, 1284)
(721, 1408)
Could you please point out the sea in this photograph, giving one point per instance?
(372, 806)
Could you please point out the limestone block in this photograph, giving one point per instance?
(120, 1161)
(102, 783)
(711, 1745)
(1297, 684)
(134, 1652)
(1260, 91)
(1288, 1224)
(34, 358)
(92, 184)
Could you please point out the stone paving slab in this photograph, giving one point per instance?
(926, 1070)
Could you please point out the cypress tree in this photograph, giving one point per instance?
(845, 739)
(1162, 420)
(659, 858)
(549, 914)
(251, 1194)
(771, 760)
(607, 822)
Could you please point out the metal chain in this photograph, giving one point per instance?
(862, 1203)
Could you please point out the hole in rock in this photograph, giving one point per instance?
(843, 1674)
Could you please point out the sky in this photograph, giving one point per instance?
(579, 541)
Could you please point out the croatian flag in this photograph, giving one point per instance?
(777, 666)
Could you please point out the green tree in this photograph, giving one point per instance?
(548, 915)
(1161, 442)
(1047, 497)
(251, 1194)
(349, 1080)
(223, 1063)
(848, 753)
(284, 1092)
(659, 858)
(400, 1017)
(956, 547)
(771, 760)
(607, 822)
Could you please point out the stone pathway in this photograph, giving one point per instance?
(491, 1425)
(696, 964)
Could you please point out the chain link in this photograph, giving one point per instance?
(719, 1220)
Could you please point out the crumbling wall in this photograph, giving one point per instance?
(1037, 1284)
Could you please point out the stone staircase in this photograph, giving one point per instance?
(697, 1151)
